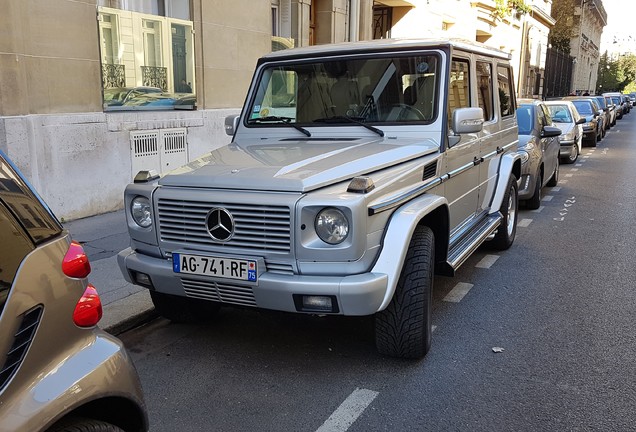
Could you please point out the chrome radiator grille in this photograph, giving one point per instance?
(260, 228)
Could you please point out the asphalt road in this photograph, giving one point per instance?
(559, 306)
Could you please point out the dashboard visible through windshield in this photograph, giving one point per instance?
(382, 90)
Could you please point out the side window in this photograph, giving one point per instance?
(506, 90)
(459, 87)
(484, 89)
(15, 246)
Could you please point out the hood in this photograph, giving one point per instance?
(565, 127)
(294, 165)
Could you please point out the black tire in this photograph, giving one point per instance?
(182, 309)
(404, 328)
(509, 209)
(572, 157)
(80, 424)
(534, 202)
(554, 180)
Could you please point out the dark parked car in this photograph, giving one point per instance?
(593, 126)
(610, 112)
(58, 370)
(617, 99)
(123, 95)
(163, 101)
(539, 147)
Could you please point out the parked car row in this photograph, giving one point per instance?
(556, 130)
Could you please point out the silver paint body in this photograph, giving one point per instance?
(279, 166)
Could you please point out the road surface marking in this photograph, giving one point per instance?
(547, 198)
(563, 181)
(539, 210)
(569, 175)
(349, 411)
(574, 169)
(458, 293)
(524, 223)
(579, 165)
(556, 189)
(487, 261)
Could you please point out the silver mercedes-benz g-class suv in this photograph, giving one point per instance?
(356, 171)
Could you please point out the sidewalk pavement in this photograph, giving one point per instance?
(103, 236)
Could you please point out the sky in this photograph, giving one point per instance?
(620, 24)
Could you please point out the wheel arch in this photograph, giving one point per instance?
(429, 210)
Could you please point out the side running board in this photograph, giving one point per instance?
(465, 246)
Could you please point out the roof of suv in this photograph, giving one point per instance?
(387, 45)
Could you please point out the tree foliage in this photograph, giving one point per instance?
(616, 75)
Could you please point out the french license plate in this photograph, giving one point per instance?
(222, 267)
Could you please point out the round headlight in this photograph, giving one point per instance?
(524, 156)
(140, 211)
(332, 226)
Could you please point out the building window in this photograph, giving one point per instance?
(147, 59)
(382, 18)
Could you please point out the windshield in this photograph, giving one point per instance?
(525, 119)
(382, 90)
(560, 114)
(583, 107)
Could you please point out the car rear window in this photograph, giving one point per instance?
(28, 210)
(583, 107)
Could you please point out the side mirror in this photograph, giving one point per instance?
(581, 120)
(468, 120)
(231, 124)
(550, 131)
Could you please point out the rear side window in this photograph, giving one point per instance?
(26, 207)
(15, 246)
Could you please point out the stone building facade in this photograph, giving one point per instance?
(578, 29)
(93, 90)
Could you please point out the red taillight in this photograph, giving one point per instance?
(75, 262)
(88, 310)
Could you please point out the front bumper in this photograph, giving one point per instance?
(567, 148)
(356, 295)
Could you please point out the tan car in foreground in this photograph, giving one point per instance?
(58, 370)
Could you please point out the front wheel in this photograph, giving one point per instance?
(573, 156)
(404, 328)
(80, 424)
(182, 309)
(507, 230)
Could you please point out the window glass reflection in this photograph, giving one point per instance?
(147, 60)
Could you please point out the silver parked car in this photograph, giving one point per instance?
(566, 117)
(355, 173)
(58, 370)
(539, 148)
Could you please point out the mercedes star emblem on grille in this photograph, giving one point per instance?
(220, 224)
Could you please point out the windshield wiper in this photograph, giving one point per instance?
(282, 120)
(356, 120)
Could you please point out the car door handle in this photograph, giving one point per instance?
(500, 150)
(477, 160)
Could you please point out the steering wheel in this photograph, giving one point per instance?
(408, 111)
